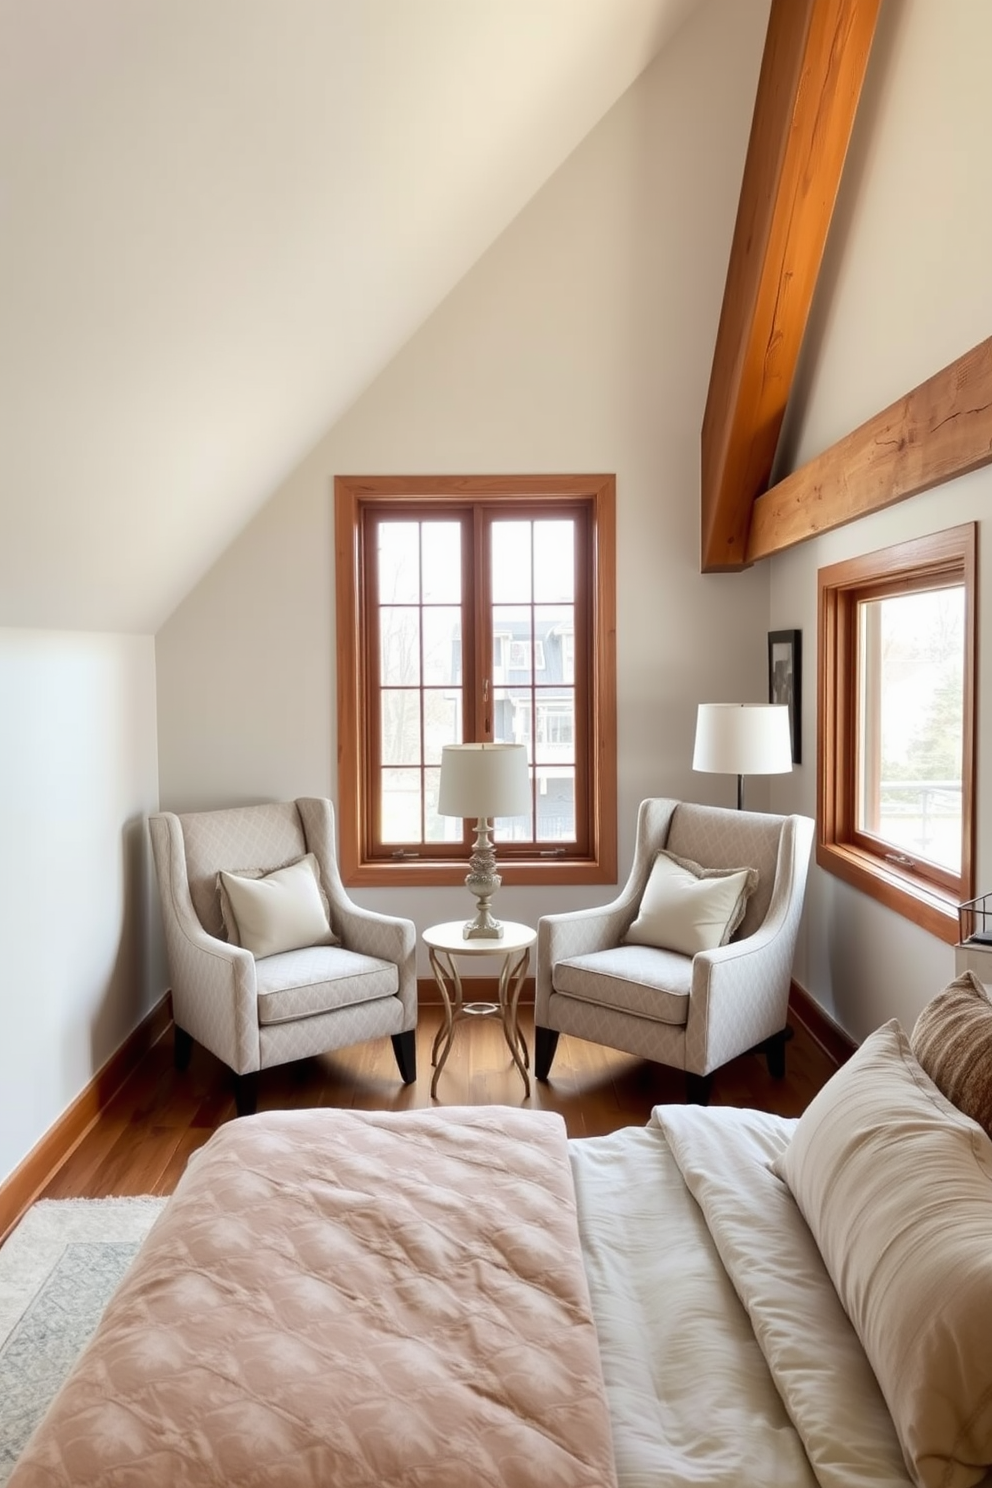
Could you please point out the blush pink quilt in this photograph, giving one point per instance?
(348, 1298)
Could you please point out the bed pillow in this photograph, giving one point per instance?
(686, 908)
(952, 1040)
(896, 1185)
(279, 911)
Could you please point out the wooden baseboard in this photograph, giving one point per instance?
(831, 1038)
(31, 1176)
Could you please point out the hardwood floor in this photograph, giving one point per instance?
(141, 1141)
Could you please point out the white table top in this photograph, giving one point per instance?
(450, 937)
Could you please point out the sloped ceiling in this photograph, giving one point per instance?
(219, 220)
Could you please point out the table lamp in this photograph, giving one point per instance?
(743, 739)
(483, 781)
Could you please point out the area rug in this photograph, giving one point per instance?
(58, 1271)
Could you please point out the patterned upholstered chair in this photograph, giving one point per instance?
(256, 1013)
(692, 1012)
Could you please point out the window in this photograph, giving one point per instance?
(475, 609)
(896, 674)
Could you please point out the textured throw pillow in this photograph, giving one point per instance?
(952, 1040)
(896, 1186)
(686, 908)
(279, 911)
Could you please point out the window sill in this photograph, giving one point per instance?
(422, 873)
(927, 906)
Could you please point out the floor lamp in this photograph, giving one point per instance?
(743, 739)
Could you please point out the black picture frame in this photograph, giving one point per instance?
(785, 678)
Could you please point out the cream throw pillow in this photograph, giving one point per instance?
(281, 911)
(686, 908)
(896, 1186)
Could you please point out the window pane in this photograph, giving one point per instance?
(442, 559)
(399, 645)
(554, 627)
(400, 710)
(555, 741)
(511, 562)
(438, 828)
(399, 562)
(512, 643)
(554, 561)
(556, 804)
(912, 722)
(401, 805)
(442, 645)
(442, 721)
(511, 715)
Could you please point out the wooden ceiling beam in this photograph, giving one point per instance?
(816, 53)
(940, 430)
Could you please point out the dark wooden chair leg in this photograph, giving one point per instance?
(775, 1053)
(545, 1045)
(697, 1089)
(246, 1093)
(405, 1049)
(182, 1047)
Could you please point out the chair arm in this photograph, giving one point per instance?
(577, 932)
(739, 995)
(214, 996)
(389, 937)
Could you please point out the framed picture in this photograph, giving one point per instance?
(785, 675)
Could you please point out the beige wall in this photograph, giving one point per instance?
(78, 775)
(905, 289)
(581, 342)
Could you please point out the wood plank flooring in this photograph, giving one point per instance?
(160, 1116)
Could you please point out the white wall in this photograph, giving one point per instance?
(905, 289)
(81, 955)
(581, 342)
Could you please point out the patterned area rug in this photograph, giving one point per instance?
(58, 1271)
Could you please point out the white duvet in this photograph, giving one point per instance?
(727, 1356)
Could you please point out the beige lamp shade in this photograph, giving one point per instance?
(743, 739)
(484, 780)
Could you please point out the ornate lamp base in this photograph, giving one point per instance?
(483, 881)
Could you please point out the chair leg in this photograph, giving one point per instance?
(774, 1048)
(545, 1045)
(182, 1047)
(697, 1089)
(246, 1093)
(405, 1049)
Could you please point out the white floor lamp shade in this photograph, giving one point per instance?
(743, 739)
(483, 781)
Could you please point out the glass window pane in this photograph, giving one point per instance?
(554, 631)
(556, 804)
(554, 561)
(442, 645)
(399, 646)
(442, 562)
(555, 735)
(442, 721)
(439, 828)
(511, 715)
(401, 805)
(912, 723)
(400, 712)
(511, 562)
(512, 643)
(399, 562)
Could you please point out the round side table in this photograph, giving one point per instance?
(446, 944)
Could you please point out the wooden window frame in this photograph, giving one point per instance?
(930, 898)
(353, 496)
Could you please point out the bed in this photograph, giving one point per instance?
(464, 1297)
